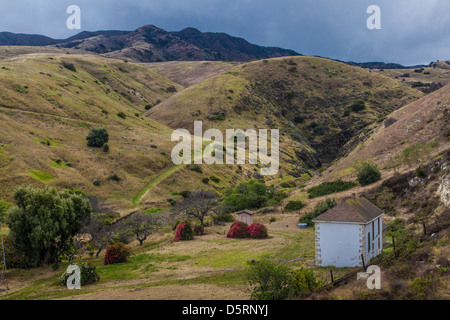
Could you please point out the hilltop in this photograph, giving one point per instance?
(152, 44)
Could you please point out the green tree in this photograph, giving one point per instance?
(4, 206)
(320, 208)
(368, 174)
(251, 195)
(97, 137)
(44, 222)
(270, 280)
(275, 281)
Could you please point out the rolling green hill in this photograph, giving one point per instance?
(317, 104)
(49, 103)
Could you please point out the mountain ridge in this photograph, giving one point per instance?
(152, 44)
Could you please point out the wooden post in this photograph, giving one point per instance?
(363, 262)
(331, 273)
(424, 228)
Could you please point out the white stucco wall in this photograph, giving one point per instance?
(338, 244)
(375, 249)
(341, 244)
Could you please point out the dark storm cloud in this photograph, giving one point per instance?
(413, 31)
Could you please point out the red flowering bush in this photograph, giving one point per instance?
(183, 232)
(238, 230)
(257, 231)
(116, 253)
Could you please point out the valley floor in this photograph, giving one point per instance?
(209, 267)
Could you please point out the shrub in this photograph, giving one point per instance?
(304, 282)
(199, 230)
(172, 201)
(122, 115)
(87, 272)
(405, 248)
(330, 187)
(148, 107)
(223, 217)
(116, 253)
(97, 137)
(14, 258)
(421, 173)
(239, 230)
(96, 182)
(269, 280)
(105, 147)
(320, 208)
(287, 184)
(358, 106)
(217, 116)
(275, 281)
(257, 231)
(4, 207)
(183, 232)
(299, 119)
(69, 66)
(195, 168)
(368, 174)
(185, 193)
(205, 180)
(114, 177)
(214, 179)
(294, 205)
(423, 287)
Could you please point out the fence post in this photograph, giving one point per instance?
(424, 228)
(331, 273)
(393, 242)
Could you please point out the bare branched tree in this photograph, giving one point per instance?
(199, 205)
(141, 224)
(101, 234)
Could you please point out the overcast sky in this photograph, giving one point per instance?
(412, 31)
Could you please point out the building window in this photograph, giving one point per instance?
(379, 225)
(373, 230)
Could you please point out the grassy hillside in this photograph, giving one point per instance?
(188, 73)
(426, 79)
(328, 113)
(49, 103)
(404, 139)
(317, 103)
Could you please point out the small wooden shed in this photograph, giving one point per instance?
(245, 216)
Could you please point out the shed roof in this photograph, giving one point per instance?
(246, 211)
(355, 210)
